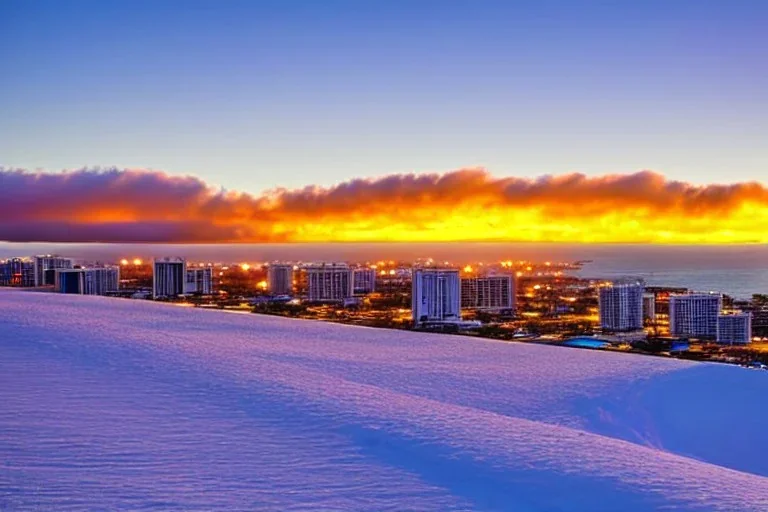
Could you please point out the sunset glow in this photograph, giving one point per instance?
(464, 205)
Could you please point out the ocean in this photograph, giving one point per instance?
(738, 270)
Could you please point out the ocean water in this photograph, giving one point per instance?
(132, 405)
(738, 270)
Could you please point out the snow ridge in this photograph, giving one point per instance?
(183, 409)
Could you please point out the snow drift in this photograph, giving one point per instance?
(116, 404)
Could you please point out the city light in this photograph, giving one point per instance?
(554, 295)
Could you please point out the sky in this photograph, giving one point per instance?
(253, 95)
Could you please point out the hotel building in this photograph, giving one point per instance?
(694, 314)
(621, 306)
(734, 328)
(329, 282)
(436, 296)
(168, 277)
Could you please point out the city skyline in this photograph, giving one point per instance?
(503, 299)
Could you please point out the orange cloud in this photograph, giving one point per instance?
(469, 204)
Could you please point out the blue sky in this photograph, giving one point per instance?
(254, 94)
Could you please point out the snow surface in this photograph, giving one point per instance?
(109, 404)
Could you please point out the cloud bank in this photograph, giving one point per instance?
(129, 205)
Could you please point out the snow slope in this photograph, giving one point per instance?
(110, 404)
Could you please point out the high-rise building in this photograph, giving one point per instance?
(734, 328)
(436, 296)
(492, 293)
(168, 277)
(99, 281)
(88, 281)
(364, 281)
(329, 282)
(199, 281)
(694, 314)
(280, 279)
(46, 266)
(621, 306)
(17, 272)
